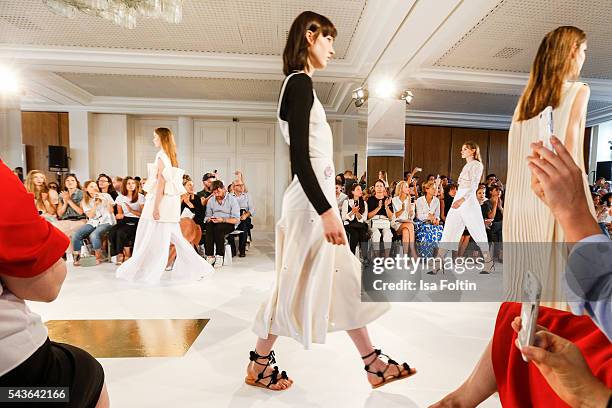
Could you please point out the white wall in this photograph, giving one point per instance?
(11, 144)
(604, 135)
(109, 152)
(81, 143)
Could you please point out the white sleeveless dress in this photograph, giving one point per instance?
(318, 285)
(153, 237)
(532, 236)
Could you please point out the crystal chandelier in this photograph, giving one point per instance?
(121, 12)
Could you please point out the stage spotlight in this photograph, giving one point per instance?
(8, 81)
(360, 96)
(385, 89)
(407, 96)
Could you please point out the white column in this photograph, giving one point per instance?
(338, 135)
(184, 145)
(282, 172)
(81, 144)
(12, 151)
(109, 150)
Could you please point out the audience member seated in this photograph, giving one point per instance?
(354, 217)
(403, 217)
(246, 212)
(31, 269)
(118, 182)
(429, 231)
(340, 196)
(195, 204)
(599, 183)
(129, 208)
(222, 216)
(206, 191)
(46, 200)
(69, 212)
(493, 180)
(382, 175)
(190, 228)
(570, 363)
(494, 211)
(601, 213)
(449, 195)
(105, 185)
(100, 218)
(54, 186)
(380, 212)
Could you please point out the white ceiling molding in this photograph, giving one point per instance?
(468, 120)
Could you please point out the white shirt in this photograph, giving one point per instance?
(347, 214)
(127, 205)
(21, 332)
(102, 215)
(408, 213)
(341, 198)
(423, 209)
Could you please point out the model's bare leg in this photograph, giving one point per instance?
(263, 348)
(361, 339)
(479, 386)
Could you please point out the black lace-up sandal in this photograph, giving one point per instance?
(267, 380)
(403, 370)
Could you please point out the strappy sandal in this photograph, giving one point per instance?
(76, 260)
(387, 379)
(490, 269)
(273, 377)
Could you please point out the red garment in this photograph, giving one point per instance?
(521, 385)
(29, 245)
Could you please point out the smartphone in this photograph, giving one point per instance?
(546, 129)
(532, 290)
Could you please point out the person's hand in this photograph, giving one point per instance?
(563, 367)
(332, 228)
(355, 210)
(556, 177)
(387, 202)
(416, 170)
(44, 196)
(156, 214)
(65, 196)
(243, 217)
(380, 204)
(457, 203)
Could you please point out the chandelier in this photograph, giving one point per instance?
(121, 12)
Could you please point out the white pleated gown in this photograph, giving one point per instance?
(318, 285)
(153, 237)
(532, 237)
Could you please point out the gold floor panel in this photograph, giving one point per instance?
(128, 338)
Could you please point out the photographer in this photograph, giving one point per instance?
(31, 268)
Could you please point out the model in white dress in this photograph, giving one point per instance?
(468, 215)
(153, 237)
(318, 285)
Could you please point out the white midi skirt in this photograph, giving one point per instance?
(318, 285)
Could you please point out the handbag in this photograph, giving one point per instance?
(380, 223)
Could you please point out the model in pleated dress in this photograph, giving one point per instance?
(317, 287)
(159, 224)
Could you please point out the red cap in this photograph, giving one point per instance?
(29, 245)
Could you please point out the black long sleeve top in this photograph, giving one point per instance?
(295, 110)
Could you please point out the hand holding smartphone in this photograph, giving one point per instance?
(545, 127)
(532, 290)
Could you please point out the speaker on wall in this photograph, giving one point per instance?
(604, 169)
(58, 158)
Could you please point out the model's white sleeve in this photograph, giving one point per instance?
(475, 173)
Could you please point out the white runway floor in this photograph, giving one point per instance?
(442, 340)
